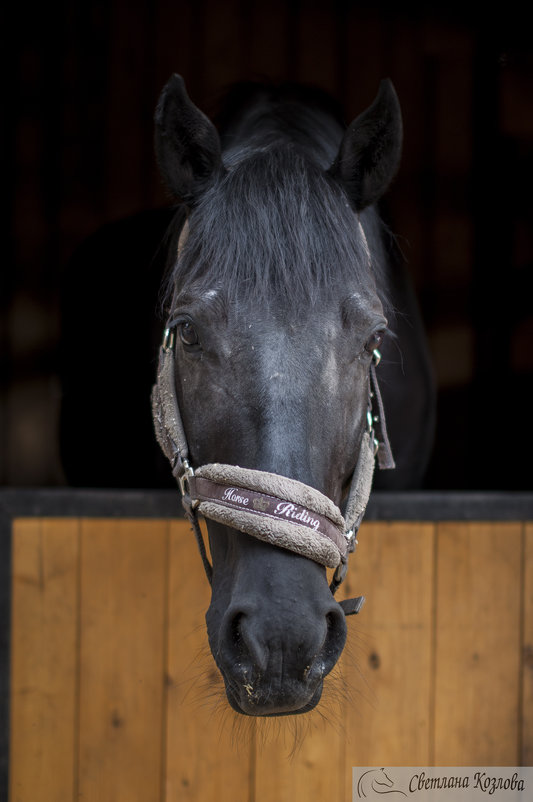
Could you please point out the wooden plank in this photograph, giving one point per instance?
(123, 649)
(387, 664)
(299, 757)
(317, 46)
(527, 651)
(129, 148)
(365, 50)
(208, 749)
(224, 46)
(44, 660)
(270, 45)
(477, 644)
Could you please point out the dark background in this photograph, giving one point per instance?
(80, 84)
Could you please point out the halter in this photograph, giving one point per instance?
(281, 511)
(272, 508)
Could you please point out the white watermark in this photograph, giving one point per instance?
(442, 784)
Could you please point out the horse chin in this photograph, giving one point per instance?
(245, 702)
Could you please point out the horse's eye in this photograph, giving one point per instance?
(188, 334)
(375, 340)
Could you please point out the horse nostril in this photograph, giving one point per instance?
(332, 646)
(235, 629)
(245, 642)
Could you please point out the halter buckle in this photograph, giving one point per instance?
(183, 479)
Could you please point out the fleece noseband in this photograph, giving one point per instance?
(273, 508)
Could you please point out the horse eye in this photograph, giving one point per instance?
(375, 340)
(188, 334)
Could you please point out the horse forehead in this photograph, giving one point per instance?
(300, 350)
(314, 323)
(290, 327)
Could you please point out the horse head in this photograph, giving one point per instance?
(276, 309)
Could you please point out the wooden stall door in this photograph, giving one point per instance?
(115, 697)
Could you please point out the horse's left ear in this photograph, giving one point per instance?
(187, 144)
(370, 151)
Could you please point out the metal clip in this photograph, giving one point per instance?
(183, 480)
(370, 419)
(340, 573)
(376, 355)
(351, 540)
(169, 339)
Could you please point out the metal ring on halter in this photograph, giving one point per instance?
(169, 339)
(183, 479)
(351, 540)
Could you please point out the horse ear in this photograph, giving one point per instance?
(370, 151)
(187, 144)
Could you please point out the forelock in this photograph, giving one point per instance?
(274, 224)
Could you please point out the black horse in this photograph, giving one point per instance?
(286, 284)
(280, 292)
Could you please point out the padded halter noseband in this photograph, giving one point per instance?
(281, 511)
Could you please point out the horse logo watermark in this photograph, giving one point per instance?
(376, 782)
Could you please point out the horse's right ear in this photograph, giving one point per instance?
(370, 152)
(187, 144)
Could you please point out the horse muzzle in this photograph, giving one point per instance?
(272, 652)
